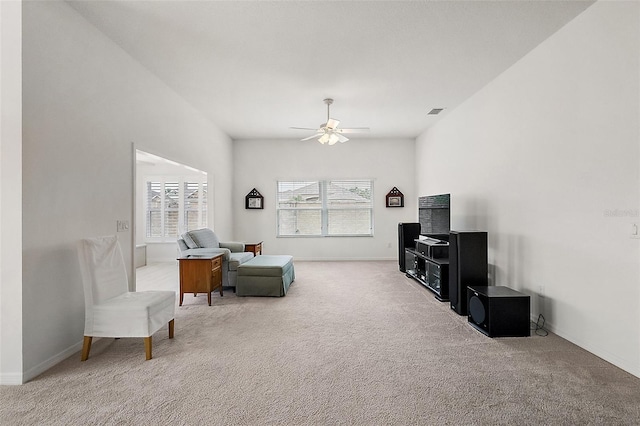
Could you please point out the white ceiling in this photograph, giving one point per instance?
(256, 68)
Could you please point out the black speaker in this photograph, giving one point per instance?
(407, 234)
(468, 265)
(499, 311)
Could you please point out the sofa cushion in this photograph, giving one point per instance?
(233, 246)
(204, 238)
(182, 245)
(207, 252)
(188, 241)
(267, 266)
(238, 258)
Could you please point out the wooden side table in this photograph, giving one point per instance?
(255, 248)
(200, 274)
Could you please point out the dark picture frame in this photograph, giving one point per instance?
(395, 198)
(254, 200)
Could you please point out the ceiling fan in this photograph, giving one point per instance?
(329, 133)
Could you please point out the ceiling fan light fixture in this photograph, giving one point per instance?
(332, 124)
(324, 138)
(328, 132)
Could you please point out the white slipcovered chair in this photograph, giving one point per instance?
(111, 310)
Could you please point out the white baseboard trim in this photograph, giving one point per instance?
(47, 364)
(600, 352)
(11, 379)
(343, 259)
(301, 259)
(160, 260)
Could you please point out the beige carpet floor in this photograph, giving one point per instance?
(351, 343)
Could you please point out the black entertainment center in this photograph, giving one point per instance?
(407, 234)
(454, 266)
(425, 245)
(428, 263)
(442, 260)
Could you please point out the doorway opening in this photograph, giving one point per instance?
(171, 198)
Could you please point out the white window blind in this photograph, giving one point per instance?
(349, 207)
(171, 208)
(203, 205)
(154, 209)
(174, 206)
(195, 205)
(325, 208)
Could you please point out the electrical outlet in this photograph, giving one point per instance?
(122, 225)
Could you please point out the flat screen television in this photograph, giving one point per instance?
(435, 216)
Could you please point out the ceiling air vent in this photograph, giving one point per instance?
(435, 111)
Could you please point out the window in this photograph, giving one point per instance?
(154, 209)
(195, 205)
(174, 206)
(325, 208)
(171, 209)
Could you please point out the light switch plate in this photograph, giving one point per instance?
(122, 225)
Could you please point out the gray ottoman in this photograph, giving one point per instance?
(265, 275)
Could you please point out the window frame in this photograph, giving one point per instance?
(182, 225)
(325, 207)
(202, 203)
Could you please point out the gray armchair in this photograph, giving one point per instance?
(205, 241)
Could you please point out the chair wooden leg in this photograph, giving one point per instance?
(171, 328)
(86, 347)
(147, 347)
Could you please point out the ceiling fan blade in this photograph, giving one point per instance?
(304, 128)
(354, 130)
(317, 135)
(329, 133)
(332, 124)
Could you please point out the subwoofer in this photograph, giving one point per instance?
(407, 234)
(499, 311)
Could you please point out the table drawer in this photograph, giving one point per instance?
(216, 263)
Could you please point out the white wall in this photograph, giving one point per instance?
(10, 192)
(85, 103)
(261, 163)
(546, 158)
